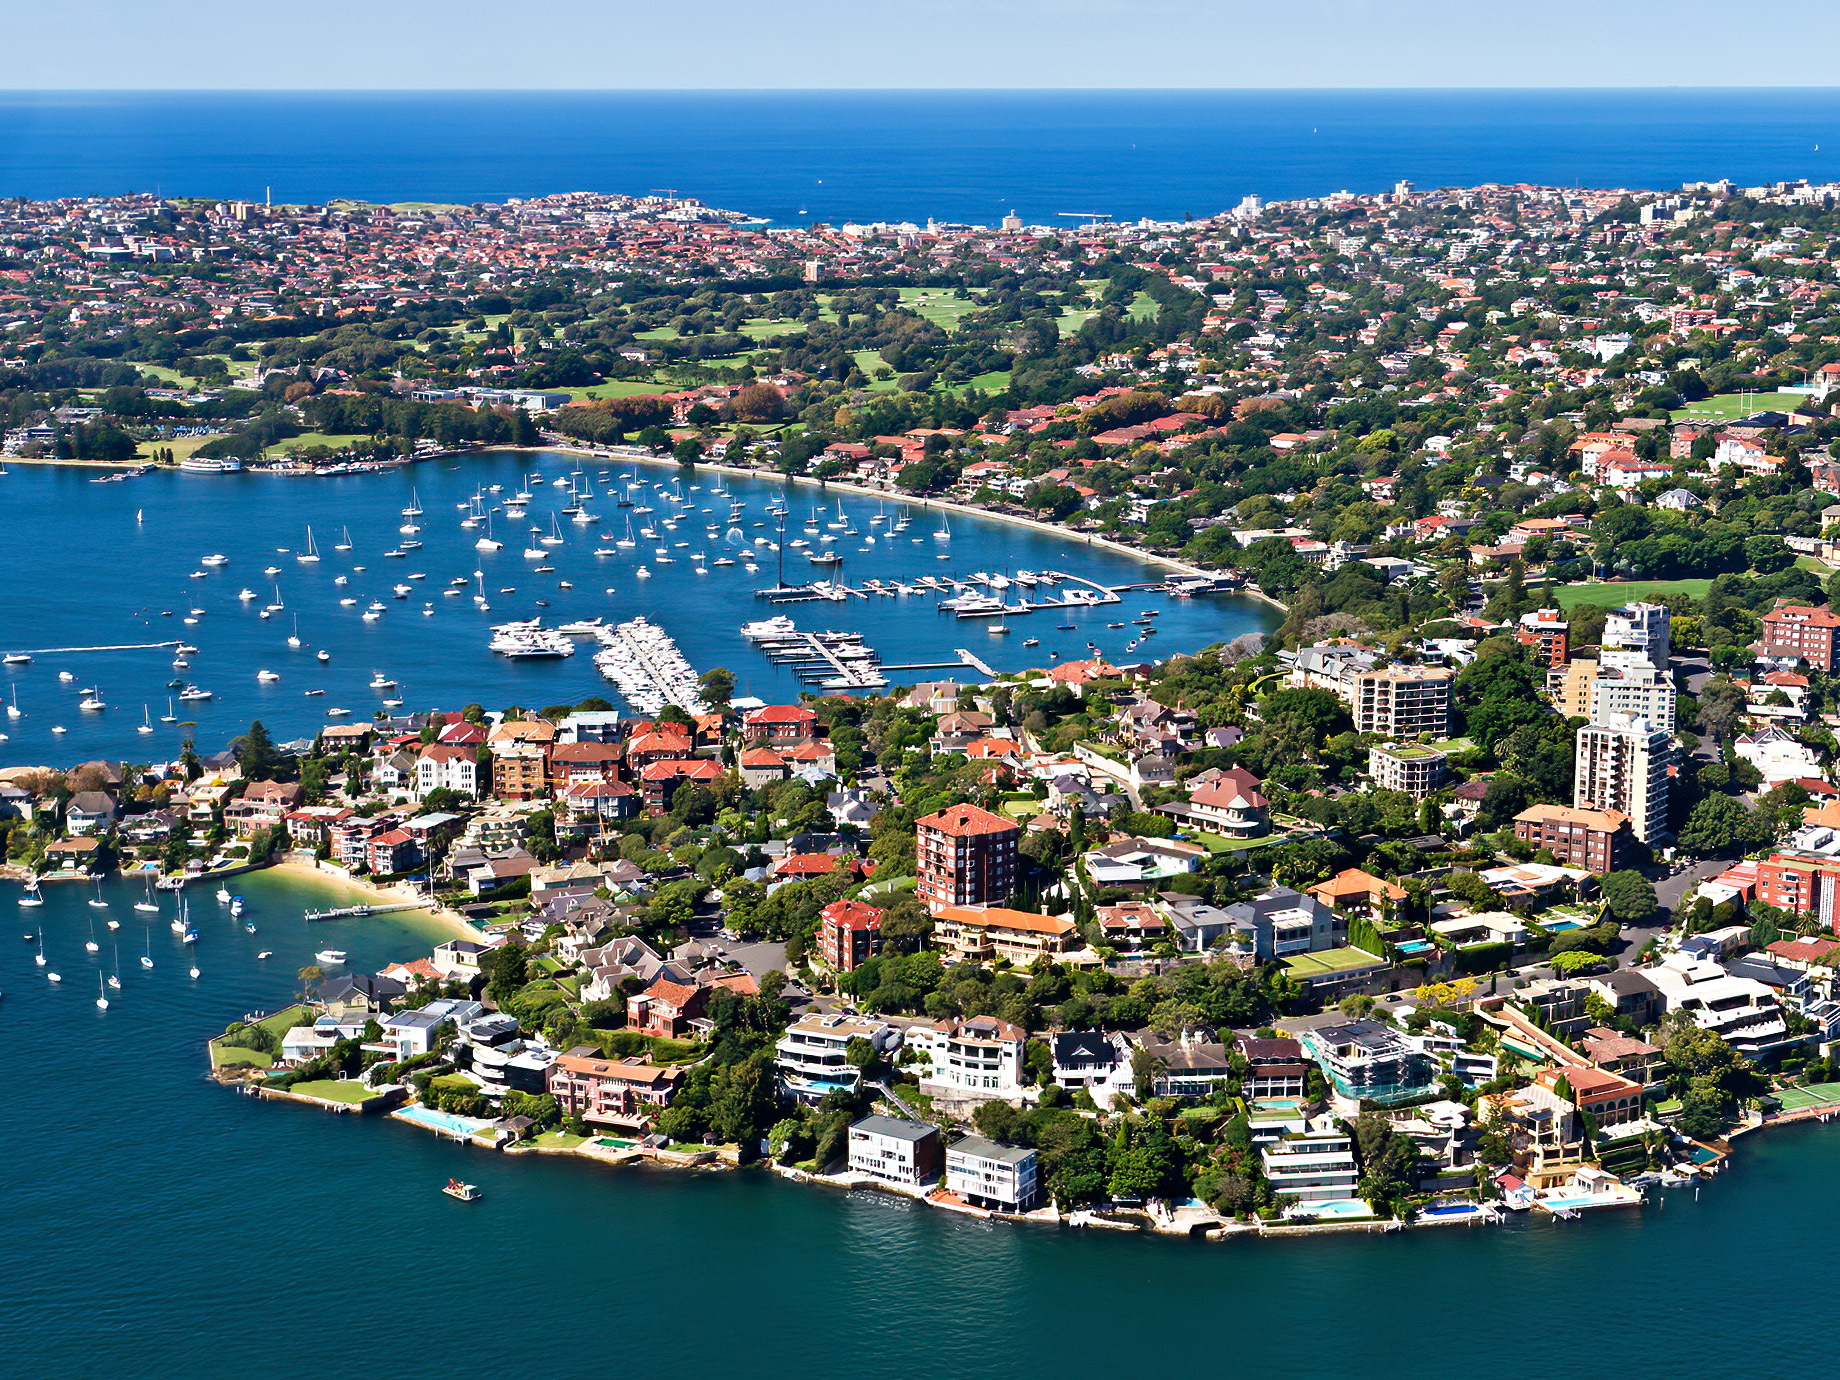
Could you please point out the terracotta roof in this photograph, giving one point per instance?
(1002, 918)
(962, 821)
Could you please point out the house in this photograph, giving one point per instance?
(813, 1059)
(779, 724)
(904, 1153)
(1312, 1167)
(1002, 1178)
(1097, 1061)
(626, 1093)
(1131, 927)
(1142, 864)
(1275, 1067)
(762, 766)
(1609, 1097)
(89, 812)
(972, 1060)
(667, 1006)
(1193, 1064)
(1354, 892)
(1283, 921)
(391, 852)
(1741, 1011)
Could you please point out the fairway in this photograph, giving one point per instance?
(1608, 594)
(1727, 406)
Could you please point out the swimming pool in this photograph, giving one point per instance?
(446, 1122)
(616, 1142)
(1416, 946)
(1560, 926)
(1451, 1210)
(1562, 1204)
(1335, 1209)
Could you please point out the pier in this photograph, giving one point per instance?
(357, 912)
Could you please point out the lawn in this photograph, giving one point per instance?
(762, 328)
(1727, 406)
(181, 447)
(1329, 961)
(229, 1056)
(557, 1140)
(1220, 843)
(348, 1090)
(938, 305)
(317, 438)
(1143, 308)
(1608, 594)
(869, 361)
(619, 388)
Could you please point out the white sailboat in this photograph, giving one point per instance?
(146, 720)
(148, 906)
(486, 543)
(102, 997)
(147, 958)
(308, 557)
(169, 717)
(945, 530)
(294, 638)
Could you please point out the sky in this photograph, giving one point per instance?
(910, 44)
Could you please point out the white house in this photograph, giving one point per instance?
(988, 1175)
(978, 1059)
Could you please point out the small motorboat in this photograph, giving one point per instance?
(266, 953)
(466, 1193)
(330, 955)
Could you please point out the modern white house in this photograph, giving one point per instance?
(813, 1055)
(971, 1060)
(1740, 1011)
(1313, 1167)
(988, 1175)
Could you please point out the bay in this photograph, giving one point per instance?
(109, 560)
(159, 1226)
(904, 155)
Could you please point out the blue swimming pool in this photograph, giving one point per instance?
(1451, 1210)
(1416, 946)
(1562, 925)
(446, 1122)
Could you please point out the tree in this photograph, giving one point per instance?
(906, 924)
(1630, 896)
(309, 975)
(718, 688)
(1721, 700)
(256, 754)
(1717, 825)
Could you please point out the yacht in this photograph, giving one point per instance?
(311, 555)
(267, 677)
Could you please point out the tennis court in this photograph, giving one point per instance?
(1814, 1095)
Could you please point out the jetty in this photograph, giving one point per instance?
(644, 662)
(354, 912)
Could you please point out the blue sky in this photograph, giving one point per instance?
(599, 44)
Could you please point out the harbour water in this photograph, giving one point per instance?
(123, 576)
(160, 1226)
(799, 156)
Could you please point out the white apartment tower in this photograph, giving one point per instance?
(1623, 765)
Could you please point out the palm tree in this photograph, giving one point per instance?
(309, 975)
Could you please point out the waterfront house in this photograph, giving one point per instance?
(623, 1093)
(1312, 1167)
(73, 855)
(1275, 1067)
(812, 1056)
(986, 1174)
(1097, 1061)
(458, 957)
(1193, 1064)
(90, 812)
(904, 1153)
(973, 1059)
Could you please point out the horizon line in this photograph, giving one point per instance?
(1085, 89)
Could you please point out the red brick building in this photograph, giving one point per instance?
(779, 723)
(1799, 631)
(849, 934)
(1594, 839)
(617, 1092)
(967, 857)
(1802, 883)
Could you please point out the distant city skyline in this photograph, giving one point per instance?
(925, 44)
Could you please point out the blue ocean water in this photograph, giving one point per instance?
(133, 575)
(160, 1226)
(967, 156)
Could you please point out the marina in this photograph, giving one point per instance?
(495, 627)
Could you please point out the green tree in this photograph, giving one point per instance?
(256, 754)
(1630, 896)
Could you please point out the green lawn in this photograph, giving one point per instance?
(1220, 843)
(938, 305)
(317, 438)
(230, 1056)
(182, 447)
(1329, 961)
(762, 328)
(1727, 406)
(1143, 308)
(869, 361)
(657, 333)
(348, 1090)
(557, 1140)
(619, 388)
(1608, 594)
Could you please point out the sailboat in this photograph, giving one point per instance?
(148, 906)
(115, 977)
(169, 717)
(39, 957)
(311, 555)
(146, 720)
(98, 903)
(92, 703)
(945, 530)
(13, 711)
(147, 958)
(102, 997)
(626, 543)
(90, 946)
(555, 533)
(294, 639)
(486, 543)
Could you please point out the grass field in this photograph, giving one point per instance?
(348, 1090)
(938, 306)
(1608, 594)
(1220, 843)
(181, 448)
(316, 438)
(1726, 406)
(229, 1056)
(1329, 961)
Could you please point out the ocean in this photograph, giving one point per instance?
(162, 1227)
(130, 574)
(1052, 156)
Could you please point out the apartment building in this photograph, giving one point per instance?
(1597, 840)
(1638, 691)
(986, 1174)
(983, 934)
(1366, 1060)
(1403, 701)
(904, 1153)
(1644, 628)
(1416, 771)
(1798, 632)
(1312, 1167)
(849, 934)
(1546, 632)
(966, 857)
(1803, 883)
(1622, 765)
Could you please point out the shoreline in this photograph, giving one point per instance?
(366, 892)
